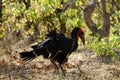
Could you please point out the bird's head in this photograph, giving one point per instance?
(78, 32)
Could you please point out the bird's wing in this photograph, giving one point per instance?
(64, 43)
(43, 43)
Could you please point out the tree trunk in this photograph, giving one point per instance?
(0, 12)
(106, 19)
(118, 9)
(104, 32)
(27, 4)
(68, 4)
(87, 16)
(62, 28)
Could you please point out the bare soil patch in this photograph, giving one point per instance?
(82, 65)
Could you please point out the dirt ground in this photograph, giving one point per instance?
(82, 65)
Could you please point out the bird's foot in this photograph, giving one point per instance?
(63, 73)
(56, 72)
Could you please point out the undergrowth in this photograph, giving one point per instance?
(107, 47)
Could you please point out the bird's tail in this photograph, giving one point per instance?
(28, 55)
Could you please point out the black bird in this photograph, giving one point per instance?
(65, 46)
(56, 47)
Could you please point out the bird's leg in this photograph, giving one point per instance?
(54, 64)
(63, 73)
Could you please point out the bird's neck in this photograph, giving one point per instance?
(75, 37)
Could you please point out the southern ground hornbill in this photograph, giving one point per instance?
(56, 47)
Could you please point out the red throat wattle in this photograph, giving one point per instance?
(78, 33)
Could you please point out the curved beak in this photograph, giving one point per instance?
(82, 37)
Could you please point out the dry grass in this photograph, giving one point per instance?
(82, 65)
